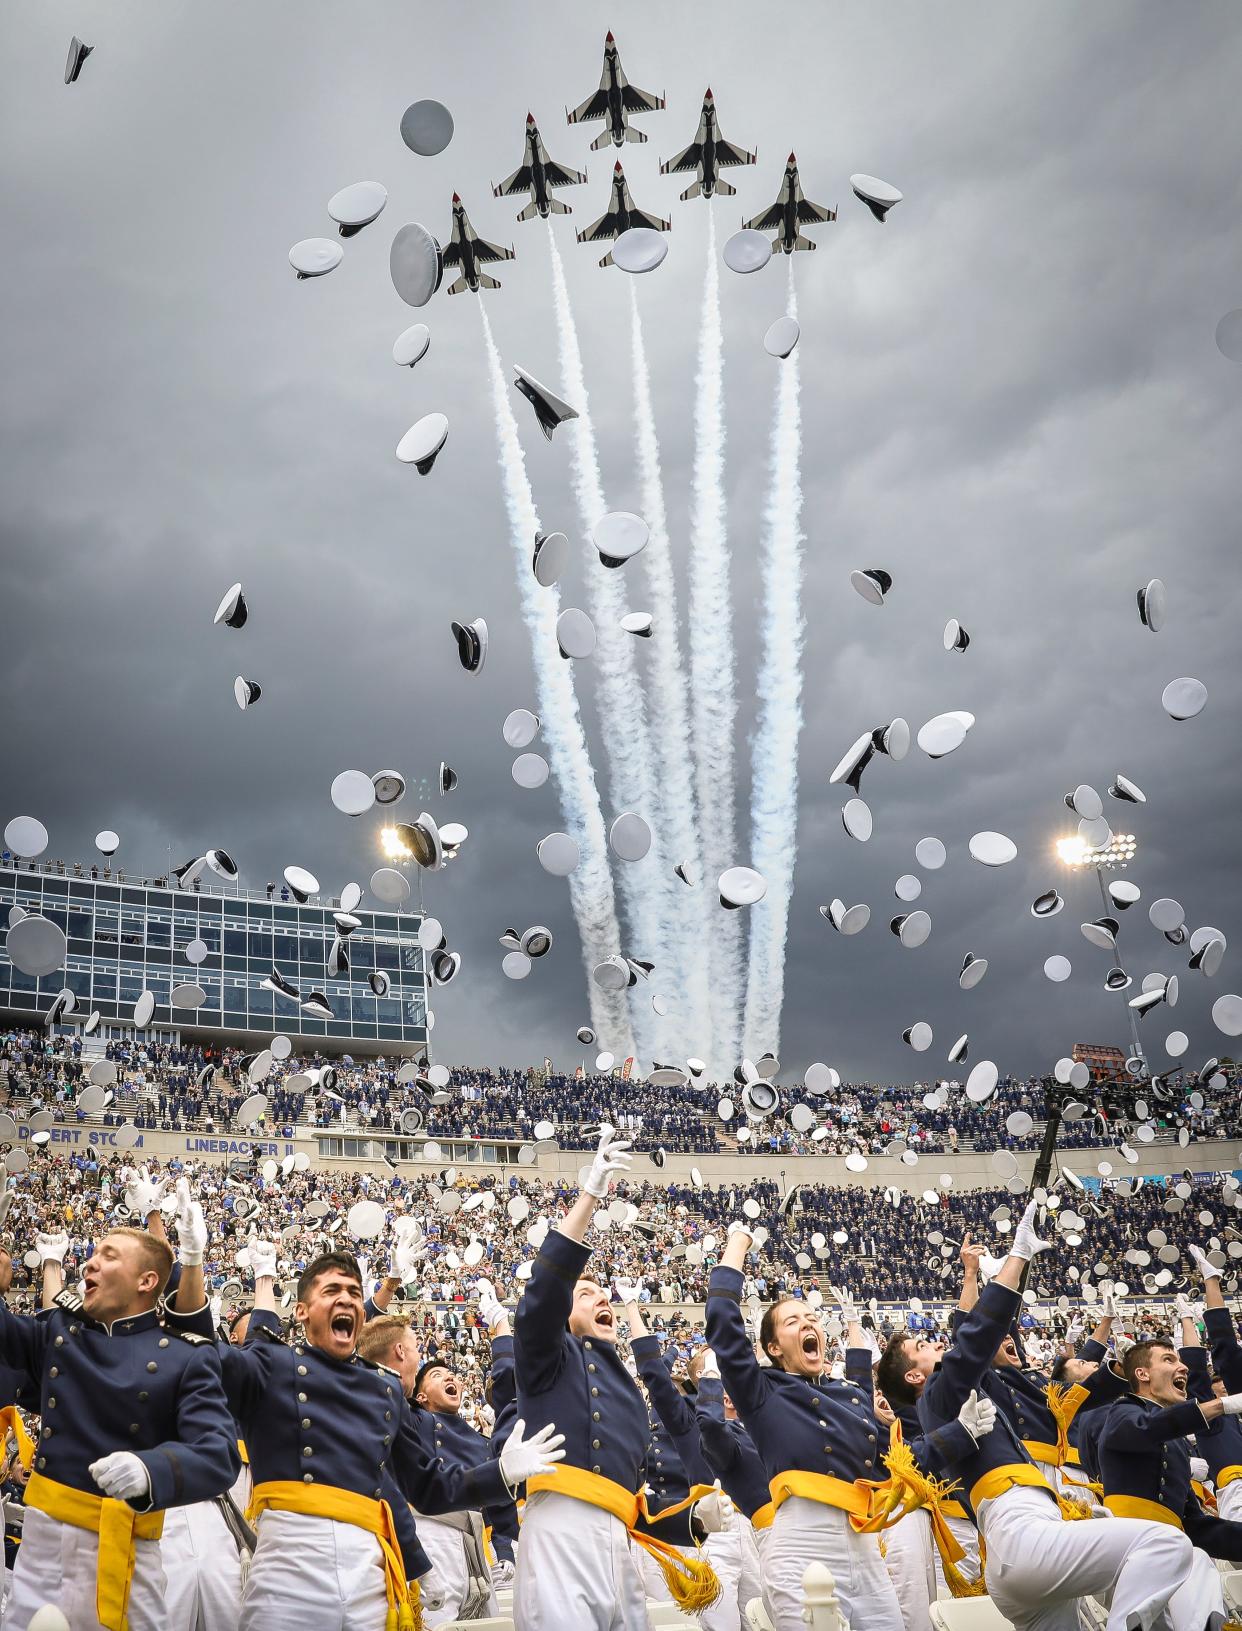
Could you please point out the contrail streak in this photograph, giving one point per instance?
(670, 718)
(774, 785)
(622, 711)
(590, 887)
(712, 676)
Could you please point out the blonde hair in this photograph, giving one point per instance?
(156, 1253)
(379, 1336)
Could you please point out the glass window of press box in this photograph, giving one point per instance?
(126, 938)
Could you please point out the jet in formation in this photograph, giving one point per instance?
(468, 251)
(791, 211)
(620, 216)
(536, 175)
(614, 102)
(708, 153)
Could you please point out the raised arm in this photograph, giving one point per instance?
(51, 1249)
(726, 1325)
(1131, 1430)
(202, 1461)
(720, 1446)
(189, 1308)
(1222, 1333)
(970, 1257)
(670, 1406)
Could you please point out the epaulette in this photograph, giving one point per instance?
(272, 1336)
(69, 1301)
(190, 1336)
(372, 1364)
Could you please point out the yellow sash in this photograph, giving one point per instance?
(11, 1422)
(763, 1518)
(1024, 1475)
(1227, 1476)
(1064, 1403)
(118, 1527)
(692, 1582)
(1134, 1506)
(344, 1506)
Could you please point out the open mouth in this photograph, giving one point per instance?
(604, 1319)
(810, 1345)
(343, 1325)
(1179, 1383)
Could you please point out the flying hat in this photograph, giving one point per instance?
(781, 337)
(908, 887)
(639, 249)
(959, 1050)
(1166, 914)
(918, 1036)
(747, 251)
(426, 128)
(613, 974)
(415, 264)
(666, 1076)
(893, 740)
(356, 206)
(1152, 605)
(992, 848)
(1123, 893)
(853, 762)
(944, 733)
(1047, 905)
(872, 583)
(353, 792)
(421, 444)
(443, 966)
(317, 1005)
(846, 919)
(511, 940)
(575, 633)
(187, 994)
(411, 345)
(558, 854)
(144, 1008)
(879, 196)
(1085, 802)
(1101, 932)
(1184, 698)
(981, 1083)
(26, 837)
(337, 961)
(1207, 957)
(232, 610)
(684, 870)
(1057, 969)
(638, 623)
(1117, 980)
(37, 946)
(911, 928)
(955, 636)
(222, 864)
(551, 557)
(380, 982)
(313, 257)
(62, 1005)
(768, 1065)
(741, 886)
(346, 923)
(586, 1035)
(389, 786)
(520, 728)
(246, 692)
(550, 410)
(759, 1099)
(537, 941)
(107, 842)
(302, 884)
(1124, 788)
(629, 837)
(930, 853)
(1227, 1015)
(422, 840)
(390, 886)
(448, 779)
(856, 819)
(78, 53)
(619, 535)
(973, 970)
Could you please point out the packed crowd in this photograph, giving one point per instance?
(186, 1087)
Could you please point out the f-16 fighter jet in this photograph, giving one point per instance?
(467, 250)
(535, 175)
(620, 216)
(790, 211)
(708, 153)
(614, 101)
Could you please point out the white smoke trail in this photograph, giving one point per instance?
(712, 675)
(670, 717)
(590, 887)
(774, 787)
(622, 711)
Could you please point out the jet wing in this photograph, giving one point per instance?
(560, 175)
(605, 227)
(814, 212)
(766, 219)
(642, 219)
(595, 106)
(483, 251)
(635, 101)
(687, 159)
(518, 182)
(727, 154)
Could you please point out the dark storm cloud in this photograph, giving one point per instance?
(1011, 401)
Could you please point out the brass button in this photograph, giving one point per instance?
(305, 1421)
(143, 1396)
(595, 1415)
(133, 1427)
(593, 1469)
(388, 1417)
(47, 1432)
(301, 1398)
(591, 1368)
(587, 1346)
(301, 1370)
(306, 1450)
(42, 1461)
(594, 1390)
(387, 1438)
(308, 1478)
(60, 1342)
(163, 1342)
(54, 1373)
(151, 1365)
(51, 1404)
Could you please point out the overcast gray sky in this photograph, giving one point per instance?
(1011, 400)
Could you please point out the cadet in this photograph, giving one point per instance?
(332, 1442)
(1038, 1563)
(1220, 1447)
(574, 1564)
(127, 1409)
(730, 1453)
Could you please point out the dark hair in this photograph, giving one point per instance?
(890, 1372)
(1140, 1354)
(767, 1327)
(342, 1262)
(421, 1372)
(236, 1318)
(1057, 1373)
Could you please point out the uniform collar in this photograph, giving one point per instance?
(130, 1324)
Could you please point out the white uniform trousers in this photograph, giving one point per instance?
(202, 1569)
(314, 1573)
(56, 1563)
(1229, 1502)
(808, 1532)
(575, 1567)
(732, 1554)
(1039, 1565)
(443, 1546)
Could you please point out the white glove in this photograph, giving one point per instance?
(491, 1311)
(847, 1305)
(737, 1227)
(122, 1476)
(711, 1366)
(1199, 1469)
(1108, 1302)
(1183, 1307)
(1231, 1404)
(260, 1258)
(1094, 1511)
(216, 1305)
(524, 1458)
(1122, 1343)
(502, 1573)
(410, 1248)
(1026, 1243)
(430, 1595)
(715, 1511)
(614, 1155)
(1207, 1270)
(977, 1415)
(191, 1226)
(626, 1291)
(51, 1248)
(143, 1193)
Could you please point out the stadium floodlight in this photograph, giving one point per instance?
(1076, 852)
(393, 847)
